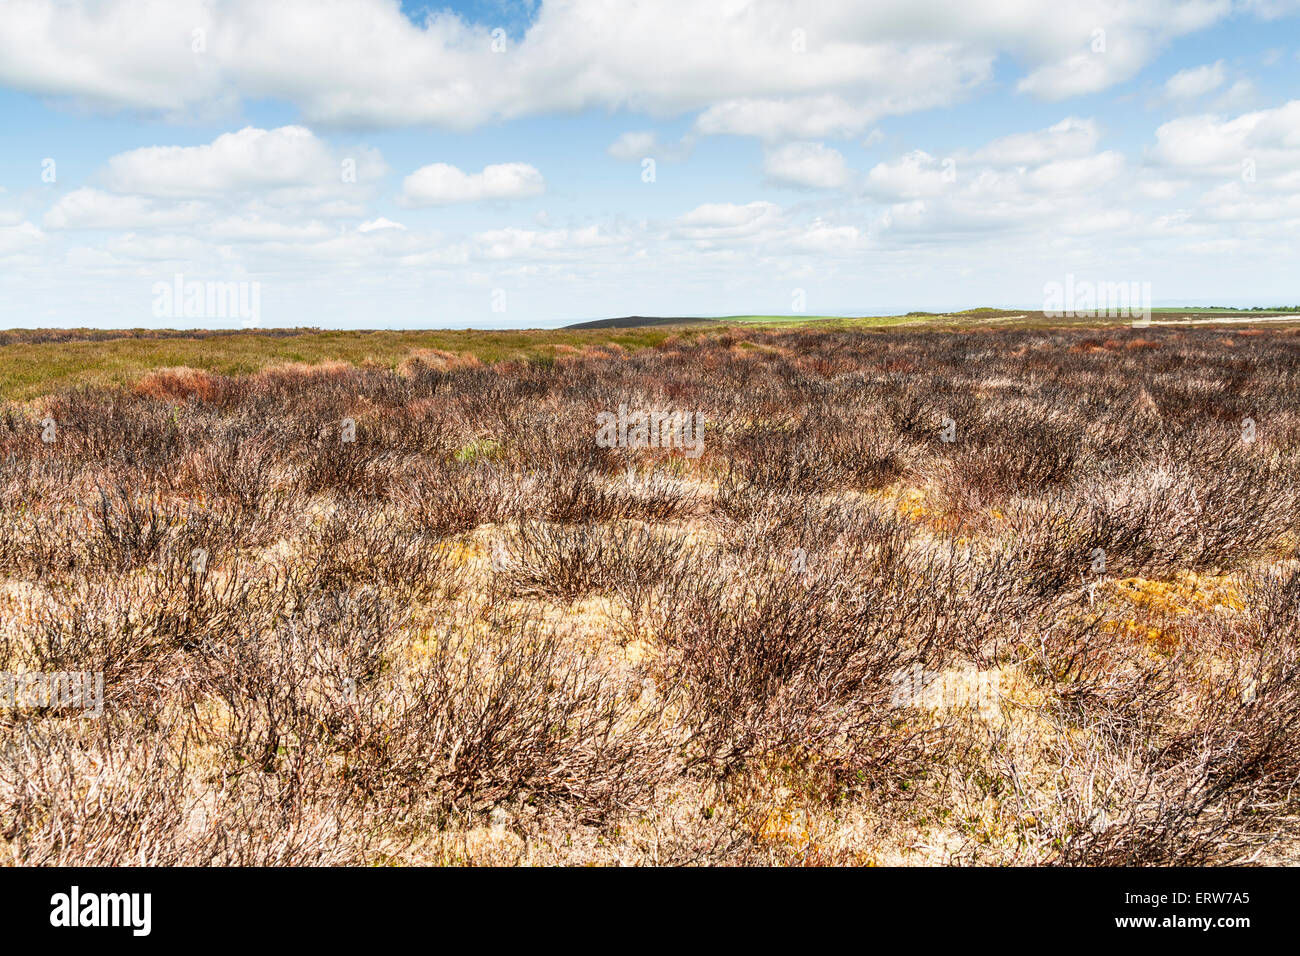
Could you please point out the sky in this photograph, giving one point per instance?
(507, 164)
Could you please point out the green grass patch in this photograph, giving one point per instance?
(479, 448)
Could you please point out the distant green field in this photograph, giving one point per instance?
(870, 321)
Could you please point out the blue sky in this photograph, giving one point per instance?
(841, 157)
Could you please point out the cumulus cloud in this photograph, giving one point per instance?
(1083, 73)
(1071, 137)
(1093, 45)
(1196, 81)
(633, 145)
(1072, 175)
(440, 184)
(1213, 144)
(380, 223)
(641, 144)
(1237, 202)
(367, 64)
(1041, 180)
(291, 158)
(254, 228)
(806, 165)
(252, 185)
(19, 238)
(914, 175)
(89, 208)
(824, 238)
(713, 221)
(544, 244)
(156, 248)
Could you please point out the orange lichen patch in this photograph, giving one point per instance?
(461, 552)
(791, 826)
(180, 383)
(1188, 593)
(911, 503)
(1161, 640)
(1157, 606)
(1087, 347)
(916, 505)
(908, 501)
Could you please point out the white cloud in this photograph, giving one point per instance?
(1271, 9)
(19, 237)
(380, 223)
(1236, 97)
(367, 64)
(714, 221)
(1269, 139)
(1196, 81)
(1236, 202)
(833, 115)
(1070, 137)
(291, 159)
(1091, 221)
(642, 144)
(1158, 188)
(1079, 74)
(1095, 44)
(1072, 175)
(156, 248)
(543, 244)
(634, 145)
(914, 175)
(89, 208)
(112, 55)
(824, 238)
(1043, 180)
(440, 183)
(806, 165)
(253, 228)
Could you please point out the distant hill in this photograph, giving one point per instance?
(639, 321)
